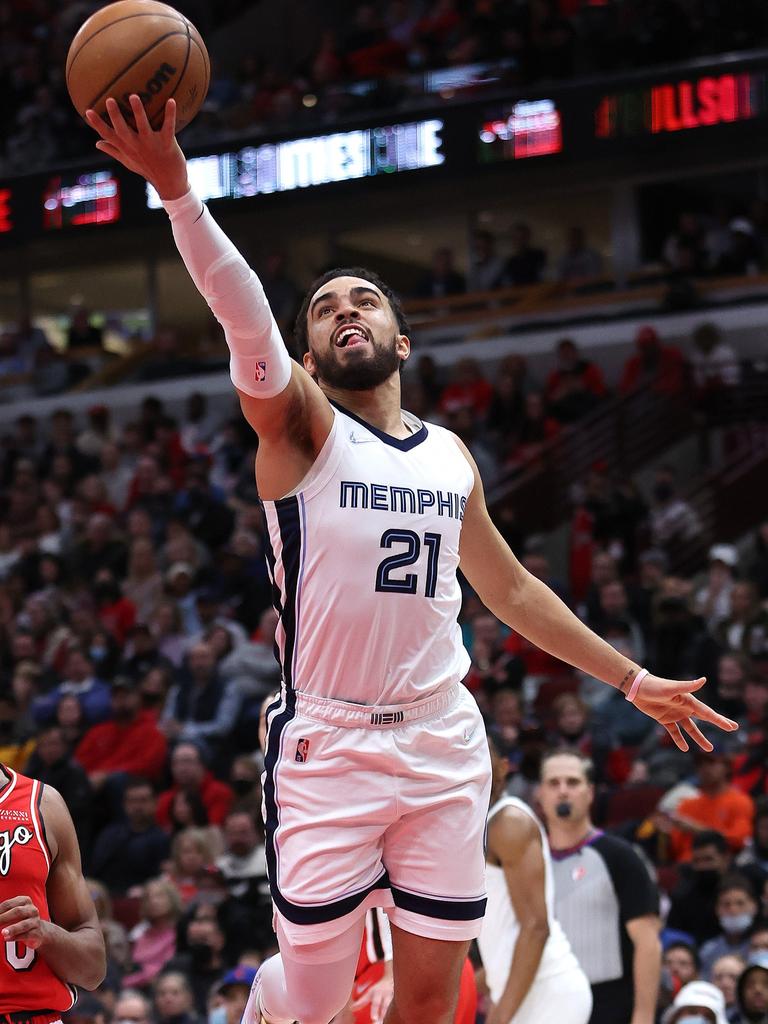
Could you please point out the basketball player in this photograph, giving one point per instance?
(377, 771)
(530, 968)
(51, 939)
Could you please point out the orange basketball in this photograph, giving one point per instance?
(143, 47)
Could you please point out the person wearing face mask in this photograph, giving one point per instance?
(204, 955)
(694, 898)
(736, 909)
(698, 1002)
(233, 990)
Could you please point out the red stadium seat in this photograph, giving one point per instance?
(126, 910)
(632, 803)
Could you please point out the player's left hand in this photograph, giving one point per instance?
(20, 921)
(379, 996)
(672, 704)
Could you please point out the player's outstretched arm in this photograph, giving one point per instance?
(275, 392)
(530, 608)
(71, 942)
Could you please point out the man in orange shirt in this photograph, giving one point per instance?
(719, 806)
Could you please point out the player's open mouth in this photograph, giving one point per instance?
(350, 335)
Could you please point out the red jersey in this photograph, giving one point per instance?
(26, 980)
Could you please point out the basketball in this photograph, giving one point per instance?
(143, 47)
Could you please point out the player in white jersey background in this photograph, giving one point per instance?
(530, 969)
(377, 771)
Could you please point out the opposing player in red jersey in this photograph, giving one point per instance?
(50, 939)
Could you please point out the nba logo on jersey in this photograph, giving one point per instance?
(302, 751)
(261, 371)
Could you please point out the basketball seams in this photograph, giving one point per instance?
(206, 61)
(184, 68)
(126, 17)
(134, 60)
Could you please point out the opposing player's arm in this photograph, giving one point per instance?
(529, 606)
(515, 842)
(279, 399)
(71, 942)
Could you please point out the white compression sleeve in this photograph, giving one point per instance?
(259, 363)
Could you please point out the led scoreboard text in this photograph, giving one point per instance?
(531, 128)
(320, 160)
(83, 199)
(680, 106)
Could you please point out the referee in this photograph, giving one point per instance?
(605, 899)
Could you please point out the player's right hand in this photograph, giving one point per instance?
(155, 155)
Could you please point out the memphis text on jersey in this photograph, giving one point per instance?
(386, 498)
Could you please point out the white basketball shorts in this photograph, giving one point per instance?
(376, 806)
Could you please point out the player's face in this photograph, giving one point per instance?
(564, 787)
(354, 342)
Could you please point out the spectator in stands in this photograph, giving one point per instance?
(486, 267)
(526, 263)
(204, 508)
(693, 901)
(244, 867)
(743, 253)
(758, 567)
(699, 1002)
(143, 584)
(132, 1007)
(745, 630)
(128, 743)
(189, 773)
(753, 859)
(753, 993)
(443, 278)
(713, 601)
(234, 988)
(115, 610)
(714, 362)
(536, 428)
(191, 861)
(736, 909)
(282, 294)
(614, 610)
(174, 1002)
(16, 742)
(579, 263)
(731, 677)
(684, 249)
(92, 694)
(719, 805)
(133, 849)
(52, 765)
(575, 386)
(99, 549)
(725, 974)
(166, 357)
(654, 365)
(468, 389)
(141, 654)
(673, 520)
(681, 960)
(571, 716)
(153, 940)
(203, 954)
(493, 667)
(201, 706)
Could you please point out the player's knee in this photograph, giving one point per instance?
(425, 1006)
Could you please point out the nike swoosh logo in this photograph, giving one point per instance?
(361, 439)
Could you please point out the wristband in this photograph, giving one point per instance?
(632, 694)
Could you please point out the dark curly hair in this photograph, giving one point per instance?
(300, 330)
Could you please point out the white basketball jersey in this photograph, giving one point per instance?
(500, 925)
(363, 560)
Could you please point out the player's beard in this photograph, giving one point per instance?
(360, 373)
